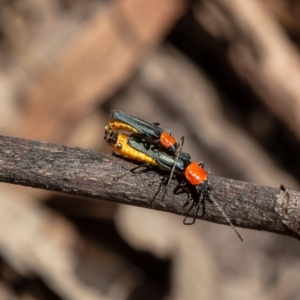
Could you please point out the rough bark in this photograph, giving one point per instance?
(91, 174)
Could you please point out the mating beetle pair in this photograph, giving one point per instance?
(148, 132)
(146, 144)
(154, 145)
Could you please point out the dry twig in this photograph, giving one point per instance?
(88, 173)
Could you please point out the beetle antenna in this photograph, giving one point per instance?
(225, 216)
(174, 165)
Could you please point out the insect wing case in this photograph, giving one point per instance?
(165, 161)
(149, 130)
(144, 147)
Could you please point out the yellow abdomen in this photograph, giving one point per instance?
(124, 149)
(117, 125)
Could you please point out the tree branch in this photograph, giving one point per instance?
(92, 174)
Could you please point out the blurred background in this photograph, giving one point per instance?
(223, 73)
